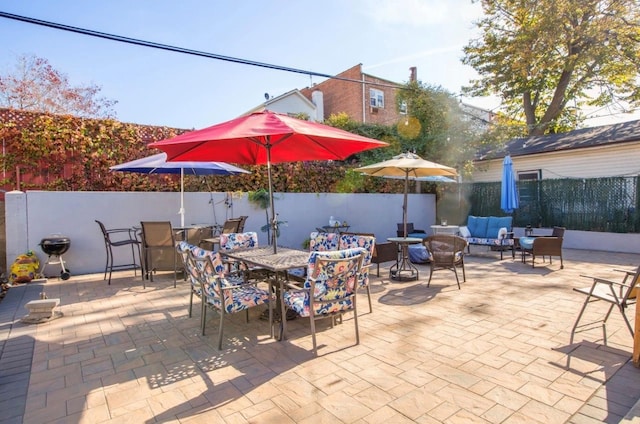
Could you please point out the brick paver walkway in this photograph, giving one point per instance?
(496, 351)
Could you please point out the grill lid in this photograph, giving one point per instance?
(55, 239)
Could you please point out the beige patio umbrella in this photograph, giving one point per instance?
(410, 166)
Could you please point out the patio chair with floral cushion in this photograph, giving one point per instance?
(368, 243)
(446, 251)
(191, 273)
(323, 241)
(329, 289)
(236, 241)
(225, 294)
(231, 225)
(319, 241)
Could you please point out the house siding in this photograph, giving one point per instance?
(593, 162)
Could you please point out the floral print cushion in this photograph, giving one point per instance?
(368, 243)
(240, 298)
(490, 241)
(321, 242)
(183, 249)
(237, 295)
(218, 270)
(233, 241)
(334, 283)
(318, 242)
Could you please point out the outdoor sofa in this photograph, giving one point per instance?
(493, 231)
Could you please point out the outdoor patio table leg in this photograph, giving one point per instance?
(283, 309)
(403, 269)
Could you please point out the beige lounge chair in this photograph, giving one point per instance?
(618, 295)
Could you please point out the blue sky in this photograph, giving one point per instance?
(164, 88)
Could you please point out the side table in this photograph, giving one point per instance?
(336, 228)
(403, 269)
(445, 229)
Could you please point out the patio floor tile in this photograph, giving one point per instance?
(496, 351)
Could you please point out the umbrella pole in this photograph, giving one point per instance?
(404, 206)
(181, 212)
(274, 222)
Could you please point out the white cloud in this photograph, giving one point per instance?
(416, 55)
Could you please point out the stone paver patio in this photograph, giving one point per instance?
(496, 351)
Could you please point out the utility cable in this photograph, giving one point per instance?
(183, 50)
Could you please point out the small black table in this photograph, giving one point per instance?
(335, 228)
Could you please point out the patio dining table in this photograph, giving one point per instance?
(278, 263)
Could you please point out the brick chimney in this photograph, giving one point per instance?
(414, 74)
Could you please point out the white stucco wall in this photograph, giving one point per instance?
(34, 215)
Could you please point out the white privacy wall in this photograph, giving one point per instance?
(33, 215)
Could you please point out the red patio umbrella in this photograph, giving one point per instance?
(265, 138)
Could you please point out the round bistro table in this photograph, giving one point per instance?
(403, 269)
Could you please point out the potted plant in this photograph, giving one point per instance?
(260, 198)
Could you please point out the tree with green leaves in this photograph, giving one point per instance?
(34, 85)
(436, 128)
(548, 59)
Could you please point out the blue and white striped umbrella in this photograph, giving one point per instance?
(158, 164)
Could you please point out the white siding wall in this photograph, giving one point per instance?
(292, 104)
(592, 162)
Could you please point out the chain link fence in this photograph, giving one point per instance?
(594, 204)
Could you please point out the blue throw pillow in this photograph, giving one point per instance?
(481, 227)
(472, 225)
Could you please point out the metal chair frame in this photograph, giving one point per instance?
(619, 295)
(116, 238)
(325, 266)
(158, 236)
(234, 289)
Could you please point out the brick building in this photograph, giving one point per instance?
(365, 98)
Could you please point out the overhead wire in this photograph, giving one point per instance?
(167, 47)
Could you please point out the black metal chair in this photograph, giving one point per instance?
(410, 230)
(117, 238)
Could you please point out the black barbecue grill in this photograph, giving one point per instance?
(56, 245)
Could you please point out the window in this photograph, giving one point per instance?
(376, 98)
(529, 175)
(403, 108)
(529, 193)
